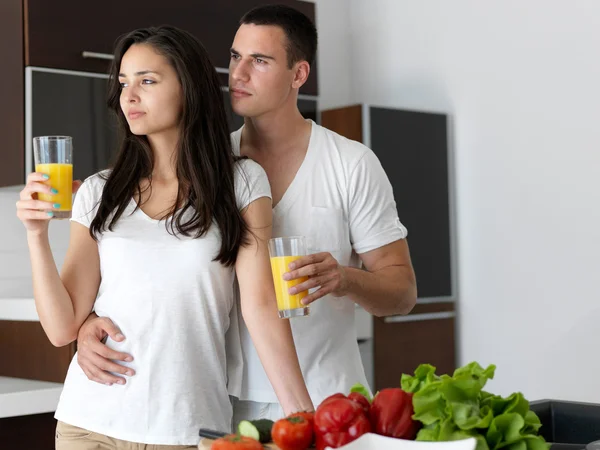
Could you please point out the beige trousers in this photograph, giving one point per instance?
(69, 437)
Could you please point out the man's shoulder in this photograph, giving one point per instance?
(348, 150)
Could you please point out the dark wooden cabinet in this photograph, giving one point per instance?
(412, 148)
(12, 119)
(58, 32)
(27, 353)
(401, 343)
(34, 432)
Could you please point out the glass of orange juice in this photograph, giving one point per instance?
(284, 250)
(53, 155)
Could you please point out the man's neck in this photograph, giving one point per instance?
(274, 133)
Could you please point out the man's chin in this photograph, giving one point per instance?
(242, 108)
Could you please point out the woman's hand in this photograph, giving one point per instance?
(35, 213)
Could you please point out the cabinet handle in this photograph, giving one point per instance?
(419, 317)
(94, 55)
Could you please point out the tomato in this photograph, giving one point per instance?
(235, 442)
(293, 433)
(309, 416)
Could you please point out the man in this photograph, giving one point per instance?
(325, 187)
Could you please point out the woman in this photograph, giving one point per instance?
(154, 243)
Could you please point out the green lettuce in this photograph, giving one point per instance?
(361, 390)
(456, 407)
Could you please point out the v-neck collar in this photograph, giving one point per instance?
(302, 175)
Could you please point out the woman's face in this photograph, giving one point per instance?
(151, 94)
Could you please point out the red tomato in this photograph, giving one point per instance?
(309, 416)
(292, 433)
(235, 442)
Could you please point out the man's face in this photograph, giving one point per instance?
(259, 78)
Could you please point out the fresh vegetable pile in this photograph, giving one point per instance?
(427, 407)
(456, 407)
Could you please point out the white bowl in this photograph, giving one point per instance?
(371, 441)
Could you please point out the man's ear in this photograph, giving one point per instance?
(301, 73)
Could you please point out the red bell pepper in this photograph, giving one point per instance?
(391, 414)
(361, 400)
(338, 421)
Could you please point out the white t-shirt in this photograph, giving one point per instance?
(172, 303)
(342, 202)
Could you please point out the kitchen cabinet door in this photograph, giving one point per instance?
(26, 352)
(401, 343)
(34, 432)
(12, 164)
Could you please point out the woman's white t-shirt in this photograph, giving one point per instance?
(172, 302)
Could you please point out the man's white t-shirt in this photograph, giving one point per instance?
(172, 302)
(342, 201)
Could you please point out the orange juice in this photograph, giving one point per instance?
(279, 266)
(61, 179)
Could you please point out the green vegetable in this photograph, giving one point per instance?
(361, 390)
(456, 407)
(256, 429)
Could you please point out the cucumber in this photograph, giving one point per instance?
(256, 429)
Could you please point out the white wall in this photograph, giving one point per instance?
(334, 53)
(521, 81)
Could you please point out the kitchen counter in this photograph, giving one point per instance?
(19, 397)
(18, 309)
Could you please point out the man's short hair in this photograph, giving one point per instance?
(300, 31)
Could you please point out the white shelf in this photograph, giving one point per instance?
(19, 397)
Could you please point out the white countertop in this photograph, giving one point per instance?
(19, 397)
(18, 309)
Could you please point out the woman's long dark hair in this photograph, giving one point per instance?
(205, 161)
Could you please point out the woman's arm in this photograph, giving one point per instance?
(62, 304)
(271, 335)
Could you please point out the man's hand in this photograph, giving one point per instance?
(323, 271)
(95, 358)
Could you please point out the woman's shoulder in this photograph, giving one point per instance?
(94, 184)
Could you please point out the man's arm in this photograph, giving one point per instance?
(386, 287)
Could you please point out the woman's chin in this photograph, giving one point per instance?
(138, 130)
